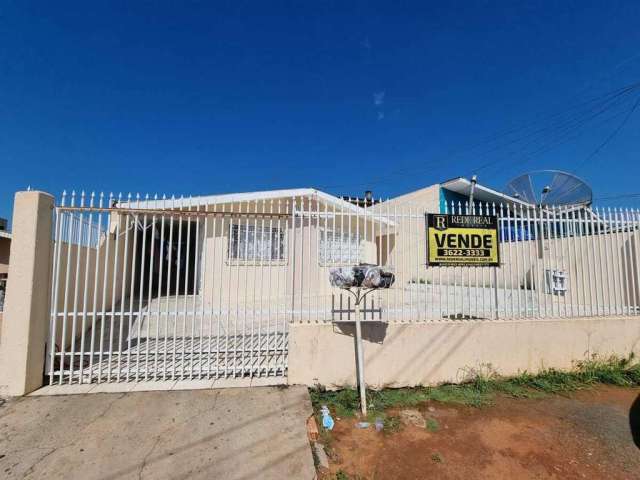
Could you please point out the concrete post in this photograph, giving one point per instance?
(26, 316)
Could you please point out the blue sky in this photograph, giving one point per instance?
(213, 97)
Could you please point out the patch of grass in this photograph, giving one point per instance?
(512, 388)
(392, 424)
(437, 458)
(482, 387)
(342, 403)
(463, 394)
(432, 425)
(609, 371)
(612, 371)
(549, 381)
(345, 403)
(342, 475)
(402, 397)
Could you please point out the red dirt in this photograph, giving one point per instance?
(586, 436)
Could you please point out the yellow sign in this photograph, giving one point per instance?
(470, 240)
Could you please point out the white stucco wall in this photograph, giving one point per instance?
(398, 355)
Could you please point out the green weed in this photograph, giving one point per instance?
(482, 387)
(432, 425)
(342, 403)
(392, 423)
(342, 475)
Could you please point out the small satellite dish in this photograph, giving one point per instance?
(550, 188)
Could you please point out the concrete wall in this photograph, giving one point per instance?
(427, 198)
(24, 329)
(398, 355)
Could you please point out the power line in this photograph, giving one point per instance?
(613, 134)
(561, 131)
(633, 198)
(622, 195)
(525, 157)
(547, 136)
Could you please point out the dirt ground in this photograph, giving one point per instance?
(584, 436)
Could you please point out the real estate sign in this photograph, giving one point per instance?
(470, 240)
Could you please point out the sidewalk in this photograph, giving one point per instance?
(239, 433)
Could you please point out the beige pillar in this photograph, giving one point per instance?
(26, 315)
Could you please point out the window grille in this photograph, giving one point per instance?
(339, 248)
(256, 243)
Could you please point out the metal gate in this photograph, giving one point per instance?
(164, 289)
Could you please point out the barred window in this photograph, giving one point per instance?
(339, 248)
(256, 243)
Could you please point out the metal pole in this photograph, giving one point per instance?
(539, 239)
(495, 291)
(360, 358)
(545, 191)
(474, 181)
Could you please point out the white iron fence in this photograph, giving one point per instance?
(554, 262)
(206, 288)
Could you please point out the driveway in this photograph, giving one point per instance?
(238, 433)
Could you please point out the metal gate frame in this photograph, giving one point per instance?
(109, 323)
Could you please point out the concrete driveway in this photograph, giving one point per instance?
(238, 433)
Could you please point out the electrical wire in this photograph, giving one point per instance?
(622, 195)
(522, 157)
(612, 135)
(547, 136)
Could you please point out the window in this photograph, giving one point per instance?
(256, 243)
(339, 248)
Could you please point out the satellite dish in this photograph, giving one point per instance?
(550, 188)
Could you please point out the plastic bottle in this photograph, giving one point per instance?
(379, 424)
(327, 421)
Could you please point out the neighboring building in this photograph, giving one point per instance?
(456, 192)
(5, 244)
